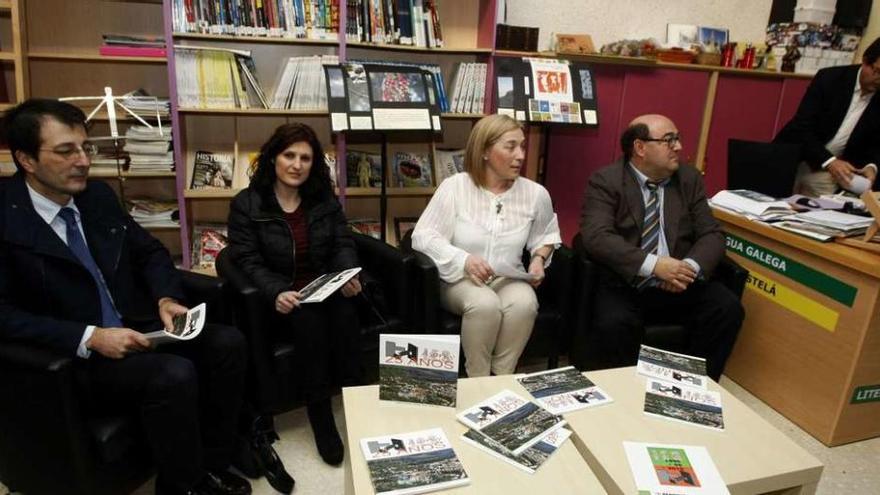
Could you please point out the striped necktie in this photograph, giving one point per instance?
(651, 225)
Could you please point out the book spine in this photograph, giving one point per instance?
(131, 51)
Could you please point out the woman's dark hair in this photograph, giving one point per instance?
(317, 187)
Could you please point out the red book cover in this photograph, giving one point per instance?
(131, 51)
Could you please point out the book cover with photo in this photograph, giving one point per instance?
(449, 163)
(563, 390)
(684, 404)
(530, 460)
(412, 169)
(366, 226)
(414, 462)
(419, 368)
(187, 326)
(512, 421)
(212, 170)
(672, 367)
(673, 469)
(208, 240)
(322, 287)
(363, 169)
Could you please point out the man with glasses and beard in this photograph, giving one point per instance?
(648, 227)
(837, 126)
(71, 263)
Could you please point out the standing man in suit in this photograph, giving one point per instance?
(646, 224)
(71, 261)
(837, 125)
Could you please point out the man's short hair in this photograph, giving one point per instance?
(628, 139)
(21, 124)
(872, 53)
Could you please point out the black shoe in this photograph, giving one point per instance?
(276, 475)
(222, 482)
(326, 435)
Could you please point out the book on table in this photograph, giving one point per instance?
(510, 420)
(531, 459)
(563, 390)
(751, 203)
(673, 469)
(413, 462)
(419, 368)
(187, 326)
(684, 404)
(672, 367)
(846, 223)
(322, 287)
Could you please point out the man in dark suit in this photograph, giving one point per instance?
(71, 264)
(646, 224)
(837, 125)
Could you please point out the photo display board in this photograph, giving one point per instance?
(546, 90)
(377, 97)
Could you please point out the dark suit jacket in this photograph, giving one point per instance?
(820, 114)
(613, 213)
(47, 297)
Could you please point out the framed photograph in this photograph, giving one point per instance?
(682, 35)
(402, 225)
(337, 84)
(397, 87)
(505, 92)
(713, 36)
(358, 91)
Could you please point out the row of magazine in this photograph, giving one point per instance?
(424, 369)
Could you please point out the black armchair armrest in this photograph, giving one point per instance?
(391, 267)
(732, 275)
(25, 357)
(199, 288)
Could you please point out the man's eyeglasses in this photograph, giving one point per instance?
(68, 151)
(670, 139)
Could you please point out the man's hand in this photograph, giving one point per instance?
(168, 309)
(286, 301)
(478, 269)
(841, 171)
(116, 343)
(675, 273)
(536, 268)
(352, 287)
(668, 287)
(870, 173)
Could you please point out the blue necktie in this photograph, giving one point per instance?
(650, 228)
(109, 316)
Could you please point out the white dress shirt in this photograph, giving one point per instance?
(48, 210)
(857, 107)
(647, 268)
(463, 218)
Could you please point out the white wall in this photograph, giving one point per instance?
(612, 20)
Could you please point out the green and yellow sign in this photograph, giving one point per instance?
(793, 301)
(803, 274)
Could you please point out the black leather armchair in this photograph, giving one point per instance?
(586, 353)
(272, 375)
(51, 442)
(551, 336)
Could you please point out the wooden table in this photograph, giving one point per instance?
(565, 472)
(810, 343)
(751, 455)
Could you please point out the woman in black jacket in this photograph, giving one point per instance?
(286, 229)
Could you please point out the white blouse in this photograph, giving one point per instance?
(463, 219)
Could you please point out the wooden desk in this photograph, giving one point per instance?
(810, 343)
(565, 472)
(751, 455)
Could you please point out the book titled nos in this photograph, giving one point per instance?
(413, 462)
(421, 369)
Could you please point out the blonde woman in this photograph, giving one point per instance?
(475, 229)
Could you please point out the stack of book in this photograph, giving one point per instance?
(751, 204)
(302, 83)
(148, 107)
(400, 22)
(217, 78)
(827, 224)
(310, 19)
(677, 388)
(122, 45)
(469, 88)
(151, 213)
(148, 149)
(110, 155)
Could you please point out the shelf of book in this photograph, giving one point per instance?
(93, 58)
(210, 193)
(254, 111)
(408, 48)
(276, 40)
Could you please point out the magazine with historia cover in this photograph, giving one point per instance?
(512, 421)
(673, 469)
(530, 460)
(414, 462)
(212, 170)
(322, 287)
(419, 368)
(187, 326)
(684, 404)
(563, 390)
(672, 367)
(412, 169)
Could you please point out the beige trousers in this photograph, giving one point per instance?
(496, 322)
(813, 184)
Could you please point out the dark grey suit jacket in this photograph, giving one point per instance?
(613, 213)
